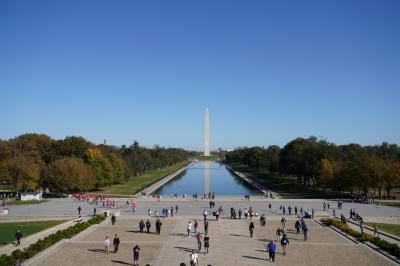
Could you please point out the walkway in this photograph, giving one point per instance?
(230, 244)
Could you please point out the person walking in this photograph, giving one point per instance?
(305, 231)
(18, 236)
(279, 233)
(324, 206)
(240, 213)
(158, 226)
(205, 215)
(217, 214)
(206, 227)
(94, 211)
(271, 249)
(189, 228)
(136, 253)
(251, 229)
(107, 245)
(269, 206)
(283, 222)
(196, 225)
(176, 209)
(172, 211)
(199, 238)
(295, 210)
(284, 243)
(376, 230)
(79, 210)
(297, 226)
(113, 219)
(141, 226)
(149, 212)
(206, 243)
(148, 225)
(361, 227)
(194, 258)
(116, 243)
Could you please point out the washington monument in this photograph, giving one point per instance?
(206, 134)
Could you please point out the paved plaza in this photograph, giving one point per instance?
(230, 243)
(188, 206)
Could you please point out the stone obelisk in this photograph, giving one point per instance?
(206, 134)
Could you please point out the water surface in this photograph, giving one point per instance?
(204, 177)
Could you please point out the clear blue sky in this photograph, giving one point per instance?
(268, 71)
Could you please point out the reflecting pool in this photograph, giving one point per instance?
(205, 177)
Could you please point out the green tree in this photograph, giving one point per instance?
(326, 173)
(22, 172)
(69, 175)
(101, 166)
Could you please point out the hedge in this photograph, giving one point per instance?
(48, 241)
(393, 249)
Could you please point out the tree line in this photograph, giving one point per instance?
(318, 163)
(73, 164)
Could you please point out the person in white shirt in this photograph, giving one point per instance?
(205, 215)
(194, 258)
(189, 228)
(107, 245)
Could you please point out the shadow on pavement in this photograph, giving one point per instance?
(238, 235)
(254, 258)
(178, 234)
(185, 249)
(99, 250)
(121, 262)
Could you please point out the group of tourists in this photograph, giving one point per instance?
(115, 243)
(165, 212)
(142, 225)
(296, 211)
(247, 213)
(193, 228)
(354, 215)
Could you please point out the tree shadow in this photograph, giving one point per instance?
(254, 258)
(121, 262)
(99, 250)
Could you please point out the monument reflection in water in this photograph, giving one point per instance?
(205, 177)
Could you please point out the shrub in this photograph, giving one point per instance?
(46, 242)
(392, 248)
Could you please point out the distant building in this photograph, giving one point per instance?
(31, 196)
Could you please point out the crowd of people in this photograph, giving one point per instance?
(202, 237)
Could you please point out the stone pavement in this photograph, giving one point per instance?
(230, 244)
(188, 206)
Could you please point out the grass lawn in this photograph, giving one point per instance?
(20, 202)
(207, 158)
(284, 187)
(389, 203)
(393, 229)
(138, 183)
(27, 228)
